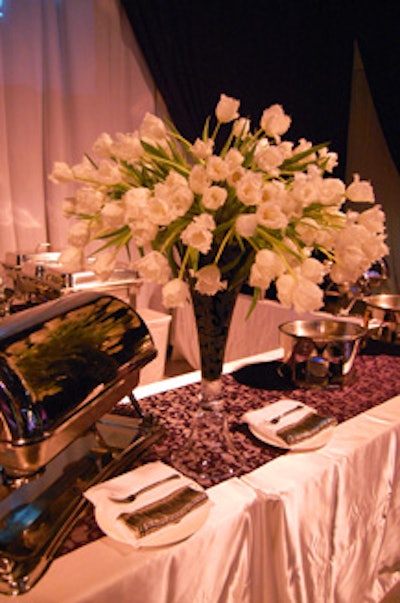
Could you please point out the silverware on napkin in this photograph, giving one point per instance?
(276, 419)
(131, 497)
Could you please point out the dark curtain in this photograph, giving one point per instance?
(298, 54)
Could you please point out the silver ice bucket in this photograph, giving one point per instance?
(321, 353)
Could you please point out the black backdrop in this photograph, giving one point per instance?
(296, 53)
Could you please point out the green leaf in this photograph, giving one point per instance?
(123, 231)
(295, 159)
(254, 300)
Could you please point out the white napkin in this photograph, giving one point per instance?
(290, 413)
(107, 512)
(132, 481)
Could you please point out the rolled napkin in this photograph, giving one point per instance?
(307, 427)
(290, 424)
(167, 510)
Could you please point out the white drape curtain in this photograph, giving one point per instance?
(69, 70)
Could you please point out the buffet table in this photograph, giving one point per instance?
(298, 527)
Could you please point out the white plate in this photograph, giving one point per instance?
(268, 433)
(312, 443)
(107, 519)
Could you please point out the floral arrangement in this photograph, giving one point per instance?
(236, 205)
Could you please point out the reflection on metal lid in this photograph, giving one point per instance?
(61, 360)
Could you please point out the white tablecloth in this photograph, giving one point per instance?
(317, 527)
(331, 527)
(215, 564)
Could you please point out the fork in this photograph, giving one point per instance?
(276, 419)
(134, 495)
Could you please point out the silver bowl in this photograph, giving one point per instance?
(382, 317)
(321, 353)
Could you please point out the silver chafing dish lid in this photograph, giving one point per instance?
(62, 365)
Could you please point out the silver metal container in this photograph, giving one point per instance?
(321, 353)
(39, 277)
(382, 317)
(63, 364)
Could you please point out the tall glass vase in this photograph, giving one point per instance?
(209, 455)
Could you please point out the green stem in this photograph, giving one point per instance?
(184, 263)
(169, 241)
(223, 245)
(216, 130)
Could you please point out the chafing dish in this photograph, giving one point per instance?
(382, 317)
(321, 353)
(38, 277)
(64, 365)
